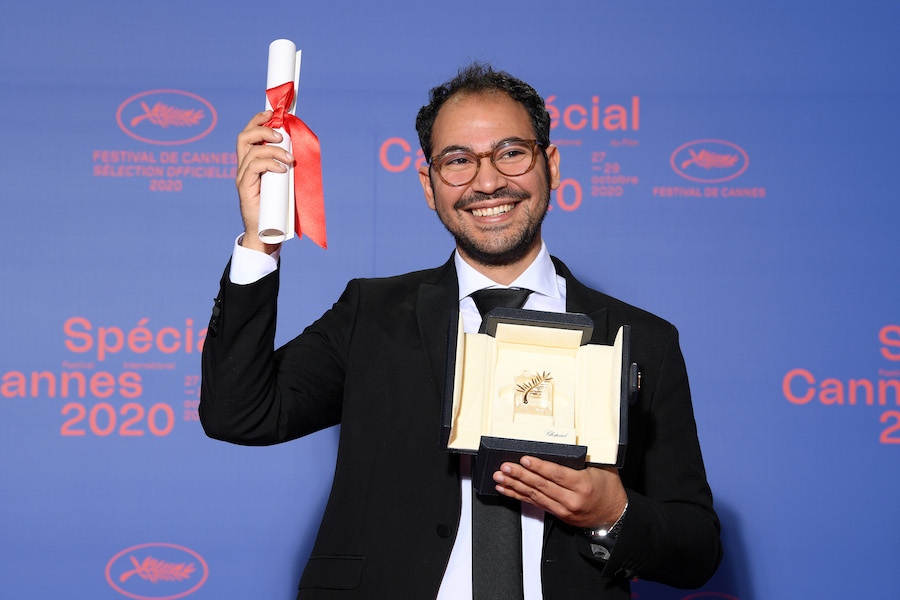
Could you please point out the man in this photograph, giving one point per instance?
(397, 524)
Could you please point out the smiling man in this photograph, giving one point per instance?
(494, 213)
(401, 518)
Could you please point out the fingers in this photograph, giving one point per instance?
(538, 482)
(255, 133)
(255, 129)
(584, 498)
(257, 143)
(258, 161)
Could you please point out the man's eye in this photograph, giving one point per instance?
(511, 153)
(457, 160)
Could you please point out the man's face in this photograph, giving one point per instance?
(495, 219)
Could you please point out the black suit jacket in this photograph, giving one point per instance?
(375, 364)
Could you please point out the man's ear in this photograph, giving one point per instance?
(553, 166)
(425, 180)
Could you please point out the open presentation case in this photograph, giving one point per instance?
(529, 383)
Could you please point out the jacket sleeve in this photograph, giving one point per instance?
(252, 394)
(670, 532)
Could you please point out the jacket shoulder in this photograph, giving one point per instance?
(618, 311)
(399, 286)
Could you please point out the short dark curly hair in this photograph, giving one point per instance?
(477, 78)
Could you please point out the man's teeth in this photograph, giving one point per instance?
(492, 212)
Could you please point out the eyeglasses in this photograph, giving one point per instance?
(460, 167)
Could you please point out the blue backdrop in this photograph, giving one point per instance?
(738, 160)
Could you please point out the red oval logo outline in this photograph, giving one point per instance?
(112, 583)
(212, 111)
(734, 175)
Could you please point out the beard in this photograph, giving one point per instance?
(502, 245)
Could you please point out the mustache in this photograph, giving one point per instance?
(503, 193)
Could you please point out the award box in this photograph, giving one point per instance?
(529, 383)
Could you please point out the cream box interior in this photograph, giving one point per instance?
(539, 383)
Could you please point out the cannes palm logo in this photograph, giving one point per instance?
(709, 161)
(166, 117)
(156, 571)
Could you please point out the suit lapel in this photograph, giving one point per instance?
(582, 299)
(436, 301)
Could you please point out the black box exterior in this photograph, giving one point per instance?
(494, 451)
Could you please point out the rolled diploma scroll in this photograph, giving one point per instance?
(276, 190)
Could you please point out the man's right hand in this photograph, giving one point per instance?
(254, 159)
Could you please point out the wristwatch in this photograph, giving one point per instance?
(604, 539)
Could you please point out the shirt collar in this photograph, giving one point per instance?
(539, 277)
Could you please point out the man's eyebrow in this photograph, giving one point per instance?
(455, 148)
(514, 138)
(459, 147)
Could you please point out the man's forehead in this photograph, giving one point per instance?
(490, 99)
(467, 115)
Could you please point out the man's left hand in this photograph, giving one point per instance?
(591, 497)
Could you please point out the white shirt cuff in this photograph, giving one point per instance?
(249, 266)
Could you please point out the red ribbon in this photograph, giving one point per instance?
(309, 201)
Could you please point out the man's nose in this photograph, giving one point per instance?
(488, 179)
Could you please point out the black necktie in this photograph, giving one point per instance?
(497, 520)
(490, 298)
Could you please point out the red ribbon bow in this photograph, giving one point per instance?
(309, 201)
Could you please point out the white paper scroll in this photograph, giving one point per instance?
(276, 190)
